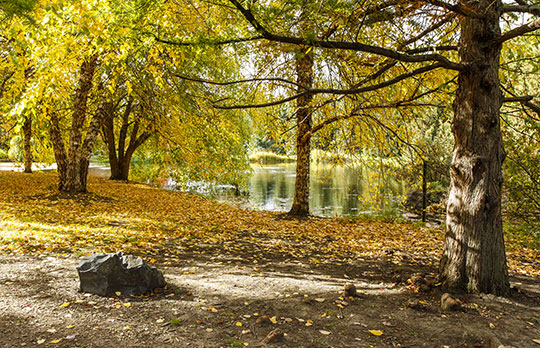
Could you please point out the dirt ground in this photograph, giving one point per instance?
(215, 300)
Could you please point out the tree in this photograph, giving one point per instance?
(74, 160)
(474, 258)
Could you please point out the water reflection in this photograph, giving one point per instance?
(334, 190)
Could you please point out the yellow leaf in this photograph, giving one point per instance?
(376, 332)
(70, 326)
(56, 341)
(127, 305)
(118, 293)
(491, 325)
(238, 323)
(65, 304)
(273, 320)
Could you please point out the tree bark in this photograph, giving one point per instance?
(74, 183)
(304, 72)
(120, 156)
(474, 258)
(73, 164)
(60, 155)
(27, 138)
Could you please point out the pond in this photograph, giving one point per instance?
(335, 190)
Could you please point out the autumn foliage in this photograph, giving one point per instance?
(161, 225)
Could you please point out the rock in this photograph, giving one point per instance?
(415, 304)
(349, 290)
(417, 279)
(493, 342)
(275, 335)
(263, 320)
(449, 303)
(106, 274)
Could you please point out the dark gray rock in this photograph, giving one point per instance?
(105, 274)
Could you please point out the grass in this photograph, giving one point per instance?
(267, 157)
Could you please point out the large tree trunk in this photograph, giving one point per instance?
(74, 182)
(474, 258)
(73, 165)
(304, 72)
(27, 138)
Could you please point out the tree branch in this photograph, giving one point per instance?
(205, 42)
(459, 8)
(351, 46)
(524, 8)
(336, 91)
(228, 83)
(524, 29)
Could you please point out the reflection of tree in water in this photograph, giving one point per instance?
(350, 204)
(334, 190)
(283, 188)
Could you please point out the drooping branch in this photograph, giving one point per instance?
(394, 105)
(343, 45)
(336, 91)
(217, 42)
(428, 30)
(229, 83)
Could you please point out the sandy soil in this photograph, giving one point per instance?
(216, 300)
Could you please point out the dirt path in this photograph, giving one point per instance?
(215, 301)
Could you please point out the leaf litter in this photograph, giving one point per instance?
(216, 258)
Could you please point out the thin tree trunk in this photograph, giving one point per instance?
(27, 135)
(59, 150)
(474, 257)
(108, 137)
(424, 189)
(120, 156)
(304, 71)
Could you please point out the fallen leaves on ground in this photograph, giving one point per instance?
(159, 224)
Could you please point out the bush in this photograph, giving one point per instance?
(3, 154)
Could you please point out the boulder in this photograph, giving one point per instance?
(106, 274)
(449, 303)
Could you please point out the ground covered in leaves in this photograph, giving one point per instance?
(235, 275)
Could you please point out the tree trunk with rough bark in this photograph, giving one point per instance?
(304, 72)
(120, 156)
(73, 164)
(27, 138)
(474, 258)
